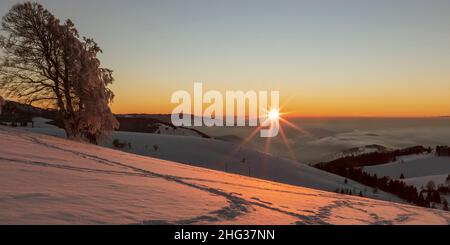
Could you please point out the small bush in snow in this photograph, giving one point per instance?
(431, 186)
(116, 143)
(445, 204)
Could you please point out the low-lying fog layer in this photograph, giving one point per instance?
(322, 138)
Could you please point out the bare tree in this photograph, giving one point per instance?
(46, 62)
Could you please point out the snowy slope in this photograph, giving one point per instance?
(417, 169)
(228, 157)
(49, 180)
(421, 182)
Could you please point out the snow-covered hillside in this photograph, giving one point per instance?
(416, 169)
(228, 157)
(50, 180)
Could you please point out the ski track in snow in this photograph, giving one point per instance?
(238, 205)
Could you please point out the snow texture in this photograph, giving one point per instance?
(50, 180)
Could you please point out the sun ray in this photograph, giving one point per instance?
(298, 128)
(268, 141)
(286, 143)
(272, 117)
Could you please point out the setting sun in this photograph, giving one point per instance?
(274, 114)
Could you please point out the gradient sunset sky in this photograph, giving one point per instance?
(327, 58)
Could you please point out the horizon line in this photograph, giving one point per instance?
(313, 116)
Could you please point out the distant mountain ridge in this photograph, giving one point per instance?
(143, 123)
(148, 124)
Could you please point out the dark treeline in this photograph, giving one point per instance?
(350, 167)
(444, 189)
(442, 150)
(369, 159)
(396, 187)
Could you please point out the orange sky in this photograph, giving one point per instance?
(361, 58)
(367, 100)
